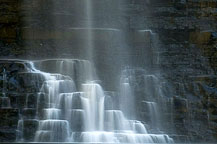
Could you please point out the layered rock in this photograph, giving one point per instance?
(185, 53)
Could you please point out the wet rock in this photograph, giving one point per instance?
(25, 82)
(9, 117)
(5, 102)
(13, 66)
(27, 101)
(29, 128)
(180, 104)
(180, 138)
(186, 30)
(29, 113)
(7, 134)
(77, 119)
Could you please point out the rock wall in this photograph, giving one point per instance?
(182, 44)
(187, 37)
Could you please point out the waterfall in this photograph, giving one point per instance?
(89, 42)
(127, 98)
(71, 105)
(66, 114)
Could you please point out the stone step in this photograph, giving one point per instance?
(14, 65)
(110, 103)
(70, 100)
(180, 138)
(28, 128)
(26, 102)
(25, 82)
(9, 117)
(58, 128)
(74, 68)
(52, 113)
(76, 119)
(28, 113)
(8, 135)
(5, 102)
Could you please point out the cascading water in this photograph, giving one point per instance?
(4, 101)
(72, 105)
(73, 113)
(126, 97)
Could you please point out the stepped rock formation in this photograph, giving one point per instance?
(52, 107)
(176, 36)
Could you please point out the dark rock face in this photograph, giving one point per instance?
(8, 124)
(16, 87)
(186, 46)
(187, 63)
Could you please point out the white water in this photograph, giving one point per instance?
(127, 98)
(69, 115)
(93, 104)
(153, 113)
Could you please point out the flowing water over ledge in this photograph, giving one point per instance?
(71, 106)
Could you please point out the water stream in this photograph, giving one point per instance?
(76, 112)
